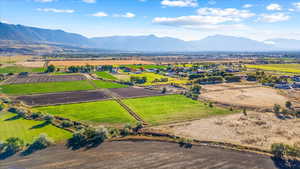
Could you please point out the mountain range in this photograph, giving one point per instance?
(148, 43)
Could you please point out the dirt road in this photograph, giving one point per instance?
(133, 155)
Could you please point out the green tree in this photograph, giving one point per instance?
(50, 69)
(288, 105)
(276, 108)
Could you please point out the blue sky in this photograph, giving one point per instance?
(184, 19)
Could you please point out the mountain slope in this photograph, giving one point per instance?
(289, 44)
(229, 43)
(141, 43)
(32, 34)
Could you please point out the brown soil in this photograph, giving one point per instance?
(63, 98)
(44, 78)
(135, 92)
(248, 95)
(256, 129)
(134, 155)
(98, 62)
(32, 64)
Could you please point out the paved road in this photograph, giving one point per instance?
(143, 155)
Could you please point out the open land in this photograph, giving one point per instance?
(44, 78)
(101, 112)
(97, 62)
(13, 126)
(50, 87)
(152, 76)
(62, 98)
(105, 75)
(132, 92)
(255, 129)
(147, 155)
(171, 108)
(289, 68)
(18, 69)
(108, 85)
(243, 95)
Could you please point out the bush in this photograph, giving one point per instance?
(12, 110)
(1, 107)
(278, 150)
(78, 140)
(49, 118)
(114, 132)
(36, 115)
(40, 143)
(11, 146)
(186, 143)
(66, 124)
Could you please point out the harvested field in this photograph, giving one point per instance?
(135, 92)
(134, 155)
(62, 98)
(97, 62)
(32, 64)
(44, 78)
(256, 129)
(243, 95)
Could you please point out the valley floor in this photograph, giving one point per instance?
(150, 154)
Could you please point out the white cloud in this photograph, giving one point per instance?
(297, 5)
(100, 14)
(126, 15)
(209, 18)
(44, 1)
(89, 1)
(272, 18)
(4, 21)
(180, 3)
(247, 6)
(274, 7)
(56, 10)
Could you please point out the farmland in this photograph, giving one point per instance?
(146, 66)
(63, 98)
(97, 62)
(51, 87)
(135, 92)
(107, 85)
(287, 68)
(18, 69)
(171, 108)
(105, 75)
(45, 78)
(27, 130)
(103, 112)
(152, 76)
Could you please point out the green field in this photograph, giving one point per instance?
(50, 87)
(18, 69)
(152, 76)
(105, 75)
(107, 85)
(146, 66)
(171, 108)
(105, 112)
(28, 130)
(288, 68)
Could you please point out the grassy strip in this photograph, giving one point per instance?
(18, 69)
(107, 85)
(28, 130)
(49, 87)
(105, 75)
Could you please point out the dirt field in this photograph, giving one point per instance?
(62, 98)
(244, 95)
(135, 92)
(98, 62)
(31, 64)
(139, 155)
(256, 129)
(44, 78)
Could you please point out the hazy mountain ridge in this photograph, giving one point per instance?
(143, 43)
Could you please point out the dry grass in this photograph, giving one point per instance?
(98, 62)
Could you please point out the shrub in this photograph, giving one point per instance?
(276, 108)
(78, 140)
(114, 132)
(186, 143)
(66, 124)
(12, 110)
(36, 115)
(40, 143)
(278, 150)
(1, 107)
(11, 146)
(49, 118)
